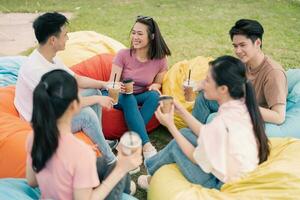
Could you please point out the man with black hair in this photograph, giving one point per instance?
(267, 76)
(51, 32)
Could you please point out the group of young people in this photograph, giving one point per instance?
(245, 92)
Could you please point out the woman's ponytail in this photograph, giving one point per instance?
(257, 121)
(46, 135)
(51, 98)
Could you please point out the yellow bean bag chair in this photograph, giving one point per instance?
(172, 84)
(277, 178)
(83, 45)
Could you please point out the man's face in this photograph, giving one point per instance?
(244, 48)
(61, 39)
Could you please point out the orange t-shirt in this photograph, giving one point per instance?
(72, 166)
(270, 83)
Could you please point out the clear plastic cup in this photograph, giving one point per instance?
(113, 91)
(189, 88)
(130, 142)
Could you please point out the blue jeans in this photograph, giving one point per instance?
(89, 121)
(137, 119)
(172, 153)
(122, 189)
(203, 108)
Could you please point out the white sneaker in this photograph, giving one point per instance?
(149, 154)
(132, 188)
(143, 181)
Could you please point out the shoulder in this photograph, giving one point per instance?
(273, 70)
(122, 55)
(273, 65)
(123, 52)
(161, 63)
(31, 62)
(79, 148)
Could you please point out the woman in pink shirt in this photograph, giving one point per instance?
(145, 63)
(232, 144)
(60, 164)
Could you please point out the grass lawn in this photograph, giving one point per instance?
(191, 27)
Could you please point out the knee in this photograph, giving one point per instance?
(88, 115)
(127, 99)
(90, 92)
(200, 97)
(154, 95)
(189, 135)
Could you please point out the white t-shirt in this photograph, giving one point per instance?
(227, 145)
(29, 76)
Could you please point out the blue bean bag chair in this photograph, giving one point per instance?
(17, 188)
(9, 68)
(291, 125)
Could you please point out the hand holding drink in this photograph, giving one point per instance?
(130, 142)
(131, 145)
(114, 89)
(128, 86)
(166, 103)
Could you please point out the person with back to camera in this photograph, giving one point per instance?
(61, 165)
(226, 148)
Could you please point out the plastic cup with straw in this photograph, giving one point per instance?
(114, 80)
(130, 143)
(130, 136)
(189, 76)
(188, 85)
(114, 90)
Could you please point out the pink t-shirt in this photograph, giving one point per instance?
(72, 166)
(227, 145)
(142, 73)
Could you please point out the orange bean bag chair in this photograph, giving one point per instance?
(113, 123)
(13, 135)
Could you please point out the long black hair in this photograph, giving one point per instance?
(231, 72)
(51, 98)
(158, 48)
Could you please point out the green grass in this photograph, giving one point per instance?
(191, 27)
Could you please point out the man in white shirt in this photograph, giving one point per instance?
(51, 32)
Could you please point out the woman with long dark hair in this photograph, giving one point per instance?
(232, 144)
(145, 63)
(60, 164)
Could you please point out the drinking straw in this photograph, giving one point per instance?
(130, 137)
(114, 80)
(189, 76)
